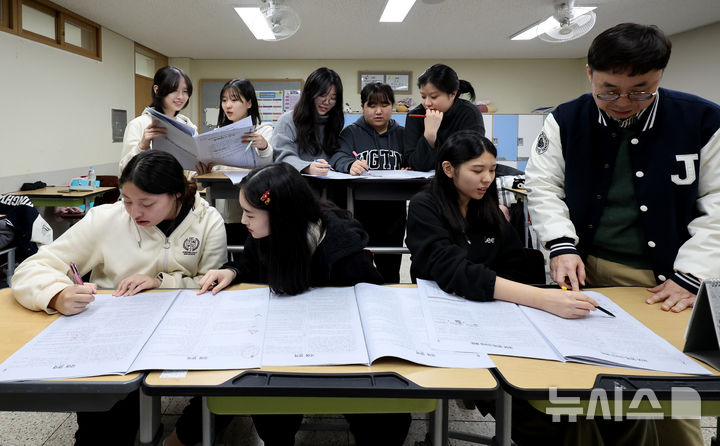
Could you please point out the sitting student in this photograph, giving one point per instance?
(296, 242)
(445, 113)
(238, 101)
(459, 238)
(171, 92)
(375, 141)
(307, 136)
(159, 216)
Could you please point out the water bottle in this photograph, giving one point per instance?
(91, 177)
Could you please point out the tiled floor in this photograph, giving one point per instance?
(57, 429)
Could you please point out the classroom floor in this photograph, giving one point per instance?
(58, 429)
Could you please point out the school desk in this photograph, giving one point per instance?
(19, 325)
(531, 379)
(219, 186)
(386, 378)
(62, 196)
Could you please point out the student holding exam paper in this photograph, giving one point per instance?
(296, 241)
(238, 101)
(159, 236)
(375, 141)
(171, 92)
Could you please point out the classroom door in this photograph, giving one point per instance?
(143, 93)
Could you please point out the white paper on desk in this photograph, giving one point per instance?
(495, 327)
(394, 325)
(317, 327)
(104, 339)
(333, 175)
(224, 145)
(235, 176)
(205, 332)
(395, 174)
(620, 341)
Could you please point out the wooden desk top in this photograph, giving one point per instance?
(62, 192)
(217, 176)
(18, 325)
(526, 373)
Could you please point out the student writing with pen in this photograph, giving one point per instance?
(161, 235)
(375, 141)
(307, 136)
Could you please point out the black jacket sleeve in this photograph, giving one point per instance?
(353, 269)
(418, 153)
(247, 267)
(436, 257)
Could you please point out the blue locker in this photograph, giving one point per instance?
(505, 135)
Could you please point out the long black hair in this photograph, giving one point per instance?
(305, 114)
(292, 207)
(168, 79)
(156, 172)
(446, 80)
(236, 89)
(463, 146)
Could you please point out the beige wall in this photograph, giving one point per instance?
(55, 109)
(695, 63)
(514, 86)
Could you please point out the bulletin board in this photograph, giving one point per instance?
(275, 96)
(400, 81)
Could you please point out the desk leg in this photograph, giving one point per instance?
(11, 265)
(150, 428)
(440, 424)
(350, 200)
(207, 424)
(503, 418)
(208, 196)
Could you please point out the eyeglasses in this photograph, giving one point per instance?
(634, 96)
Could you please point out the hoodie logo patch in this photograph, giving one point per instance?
(542, 143)
(190, 246)
(489, 240)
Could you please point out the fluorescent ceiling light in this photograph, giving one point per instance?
(256, 22)
(396, 10)
(551, 22)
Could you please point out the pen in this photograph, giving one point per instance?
(76, 274)
(415, 116)
(356, 155)
(323, 161)
(598, 307)
(248, 146)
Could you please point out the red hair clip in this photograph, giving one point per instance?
(265, 198)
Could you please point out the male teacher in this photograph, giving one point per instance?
(624, 182)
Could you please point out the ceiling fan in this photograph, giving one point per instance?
(272, 20)
(567, 23)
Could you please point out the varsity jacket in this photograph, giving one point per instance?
(338, 260)
(381, 152)
(675, 162)
(109, 243)
(134, 132)
(465, 263)
(462, 115)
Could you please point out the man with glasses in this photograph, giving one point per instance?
(624, 182)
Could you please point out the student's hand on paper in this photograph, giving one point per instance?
(675, 297)
(433, 119)
(216, 280)
(318, 167)
(568, 304)
(359, 167)
(568, 270)
(73, 299)
(152, 131)
(134, 284)
(202, 168)
(258, 141)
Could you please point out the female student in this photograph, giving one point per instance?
(296, 242)
(441, 114)
(459, 238)
(375, 141)
(171, 91)
(238, 101)
(121, 244)
(309, 135)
